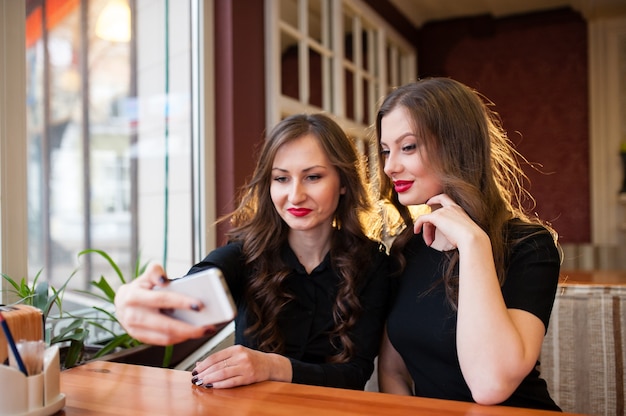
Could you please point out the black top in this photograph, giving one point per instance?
(422, 324)
(305, 322)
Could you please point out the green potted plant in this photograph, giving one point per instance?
(44, 297)
(72, 330)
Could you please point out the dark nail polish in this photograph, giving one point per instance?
(195, 307)
(194, 373)
(208, 332)
(208, 385)
(193, 380)
(198, 382)
(163, 279)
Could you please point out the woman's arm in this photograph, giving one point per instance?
(497, 346)
(393, 376)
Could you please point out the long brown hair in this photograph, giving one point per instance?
(477, 164)
(262, 232)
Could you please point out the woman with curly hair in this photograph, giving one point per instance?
(477, 274)
(310, 284)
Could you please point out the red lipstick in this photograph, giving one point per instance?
(299, 212)
(402, 186)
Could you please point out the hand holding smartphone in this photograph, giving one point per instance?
(211, 288)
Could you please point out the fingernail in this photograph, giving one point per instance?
(195, 307)
(194, 379)
(208, 385)
(163, 279)
(198, 382)
(208, 332)
(194, 373)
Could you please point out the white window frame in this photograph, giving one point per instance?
(383, 39)
(13, 208)
(13, 143)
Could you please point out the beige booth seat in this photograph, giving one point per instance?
(584, 352)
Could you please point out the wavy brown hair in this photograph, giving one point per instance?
(477, 164)
(262, 233)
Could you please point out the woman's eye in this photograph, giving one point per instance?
(409, 147)
(384, 153)
(313, 177)
(280, 179)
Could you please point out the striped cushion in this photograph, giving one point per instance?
(584, 350)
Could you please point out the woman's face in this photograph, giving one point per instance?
(406, 160)
(305, 186)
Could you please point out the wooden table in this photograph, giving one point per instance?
(593, 277)
(107, 388)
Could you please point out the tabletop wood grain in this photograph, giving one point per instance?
(107, 388)
(593, 277)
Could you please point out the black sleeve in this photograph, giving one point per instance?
(366, 335)
(229, 259)
(533, 275)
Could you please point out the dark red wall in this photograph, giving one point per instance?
(534, 68)
(240, 97)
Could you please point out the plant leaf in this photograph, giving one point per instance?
(108, 259)
(40, 298)
(75, 351)
(12, 282)
(57, 295)
(123, 340)
(167, 356)
(72, 329)
(105, 287)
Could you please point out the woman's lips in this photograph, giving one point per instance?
(299, 212)
(402, 186)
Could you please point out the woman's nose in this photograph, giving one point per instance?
(391, 166)
(296, 194)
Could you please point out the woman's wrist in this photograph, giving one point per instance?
(280, 368)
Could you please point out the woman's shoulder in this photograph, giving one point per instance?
(517, 229)
(377, 248)
(222, 256)
(526, 236)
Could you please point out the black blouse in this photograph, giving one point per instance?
(306, 321)
(422, 325)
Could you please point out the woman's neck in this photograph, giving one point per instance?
(310, 246)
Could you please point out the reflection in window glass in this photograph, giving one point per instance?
(109, 136)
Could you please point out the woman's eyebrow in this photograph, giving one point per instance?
(401, 137)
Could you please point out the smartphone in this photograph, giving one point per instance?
(211, 288)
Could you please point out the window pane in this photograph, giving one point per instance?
(316, 21)
(109, 137)
(315, 78)
(290, 68)
(289, 12)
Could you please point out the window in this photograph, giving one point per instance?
(334, 56)
(113, 145)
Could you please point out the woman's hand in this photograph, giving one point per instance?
(447, 226)
(238, 365)
(138, 309)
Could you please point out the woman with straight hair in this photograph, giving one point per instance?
(476, 273)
